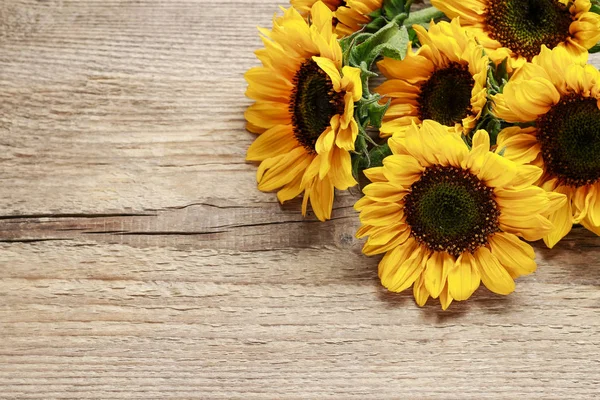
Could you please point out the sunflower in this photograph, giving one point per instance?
(444, 80)
(349, 15)
(517, 29)
(557, 96)
(304, 111)
(448, 218)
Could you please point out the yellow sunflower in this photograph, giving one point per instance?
(444, 80)
(448, 218)
(304, 111)
(349, 15)
(558, 97)
(517, 29)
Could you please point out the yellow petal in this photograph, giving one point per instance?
(352, 82)
(382, 214)
(267, 114)
(321, 198)
(562, 221)
(493, 275)
(331, 70)
(436, 272)
(393, 259)
(481, 138)
(445, 298)
(385, 192)
(516, 256)
(594, 207)
(402, 170)
(291, 190)
(464, 277)
(341, 170)
(375, 174)
(496, 170)
(285, 171)
(530, 228)
(518, 144)
(420, 292)
(325, 141)
(407, 273)
(276, 141)
(321, 17)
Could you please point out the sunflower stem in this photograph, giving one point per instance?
(424, 16)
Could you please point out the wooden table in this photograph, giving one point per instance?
(138, 260)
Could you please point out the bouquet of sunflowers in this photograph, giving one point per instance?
(484, 134)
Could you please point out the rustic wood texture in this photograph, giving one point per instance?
(138, 260)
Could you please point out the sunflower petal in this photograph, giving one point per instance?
(493, 275)
(464, 277)
(436, 272)
(516, 256)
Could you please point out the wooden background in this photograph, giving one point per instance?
(138, 260)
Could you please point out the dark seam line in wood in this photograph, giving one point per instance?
(32, 240)
(89, 216)
(157, 233)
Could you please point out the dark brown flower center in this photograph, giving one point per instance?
(450, 209)
(569, 135)
(446, 96)
(523, 26)
(312, 104)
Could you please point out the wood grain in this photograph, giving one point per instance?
(138, 260)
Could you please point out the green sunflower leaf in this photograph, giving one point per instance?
(376, 111)
(378, 154)
(390, 41)
(391, 8)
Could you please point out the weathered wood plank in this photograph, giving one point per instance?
(138, 259)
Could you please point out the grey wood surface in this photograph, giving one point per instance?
(138, 260)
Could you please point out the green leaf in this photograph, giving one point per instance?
(358, 165)
(376, 113)
(391, 8)
(376, 24)
(424, 16)
(378, 154)
(348, 43)
(391, 41)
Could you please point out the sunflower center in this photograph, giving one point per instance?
(446, 96)
(569, 135)
(525, 25)
(450, 209)
(313, 103)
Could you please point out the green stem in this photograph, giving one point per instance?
(424, 16)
